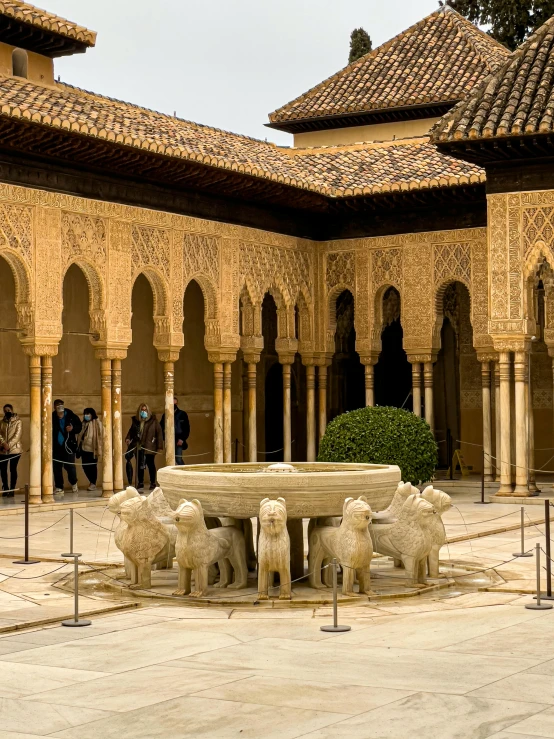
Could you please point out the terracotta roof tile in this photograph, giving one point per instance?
(518, 99)
(360, 169)
(440, 59)
(47, 21)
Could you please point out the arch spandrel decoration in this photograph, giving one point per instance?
(16, 247)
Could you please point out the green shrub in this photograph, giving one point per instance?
(382, 435)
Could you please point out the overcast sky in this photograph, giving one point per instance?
(226, 63)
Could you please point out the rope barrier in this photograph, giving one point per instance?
(36, 532)
(487, 520)
(36, 577)
(93, 523)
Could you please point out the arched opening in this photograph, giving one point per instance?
(457, 379)
(19, 63)
(75, 369)
(271, 441)
(347, 372)
(194, 378)
(14, 369)
(141, 371)
(393, 373)
(298, 399)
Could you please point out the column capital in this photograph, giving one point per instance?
(422, 358)
(110, 352)
(222, 356)
(485, 357)
(252, 346)
(513, 343)
(369, 359)
(42, 349)
(168, 354)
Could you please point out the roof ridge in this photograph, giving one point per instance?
(468, 25)
(358, 145)
(164, 115)
(39, 17)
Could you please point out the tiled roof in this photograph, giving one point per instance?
(517, 99)
(343, 171)
(38, 18)
(440, 59)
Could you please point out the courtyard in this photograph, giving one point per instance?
(465, 659)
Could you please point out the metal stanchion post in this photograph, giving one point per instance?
(71, 530)
(335, 626)
(26, 561)
(538, 606)
(482, 501)
(76, 620)
(523, 553)
(548, 595)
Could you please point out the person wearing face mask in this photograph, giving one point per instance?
(90, 445)
(10, 450)
(144, 440)
(65, 428)
(182, 430)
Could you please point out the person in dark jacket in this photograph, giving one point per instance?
(182, 430)
(65, 428)
(144, 440)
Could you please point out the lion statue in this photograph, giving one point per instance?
(350, 544)
(198, 547)
(442, 503)
(274, 548)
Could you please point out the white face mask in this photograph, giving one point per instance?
(60, 408)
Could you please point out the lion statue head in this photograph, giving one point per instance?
(356, 513)
(418, 509)
(273, 515)
(117, 500)
(136, 510)
(189, 515)
(441, 501)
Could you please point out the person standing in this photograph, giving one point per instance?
(145, 437)
(10, 450)
(90, 445)
(182, 430)
(65, 428)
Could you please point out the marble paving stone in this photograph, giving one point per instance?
(507, 735)
(274, 613)
(44, 718)
(274, 691)
(15, 646)
(139, 688)
(544, 668)
(376, 666)
(527, 686)
(189, 613)
(17, 681)
(541, 725)
(198, 717)
(124, 650)
(523, 640)
(18, 735)
(425, 716)
(425, 631)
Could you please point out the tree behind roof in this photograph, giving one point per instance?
(360, 44)
(510, 21)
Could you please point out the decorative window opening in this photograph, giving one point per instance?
(19, 63)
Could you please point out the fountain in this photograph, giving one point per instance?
(311, 489)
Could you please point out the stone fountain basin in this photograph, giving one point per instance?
(312, 490)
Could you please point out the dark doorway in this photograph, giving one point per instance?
(347, 388)
(393, 372)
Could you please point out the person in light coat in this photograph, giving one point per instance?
(90, 445)
(10, 450)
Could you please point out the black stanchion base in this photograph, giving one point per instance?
(544, 597)
(80, 622)
(26, 562)
(335, 628)
(481, 502)
(522, 554)
(539, 606)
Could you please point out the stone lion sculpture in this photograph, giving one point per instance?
(350, 543)
(198, 547)
(274, 548)
(409, 539)
(442, 503)
(143, 539)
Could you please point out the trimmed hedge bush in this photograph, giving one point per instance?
(382, 435)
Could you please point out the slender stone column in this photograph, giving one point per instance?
(369, 385)
(252, 417)
(310, 412)
(107, 467)
(487, 429)
(47, 472)
(416, 387)
(322, 404)
(504, 362)
(34, 465)
(245, 413)
(497, 446)
(533, 489)
(169, 382)
(287, 440)
(428, 382)
(227, 441)
(117, 427)
(522, 457)
(218, 412)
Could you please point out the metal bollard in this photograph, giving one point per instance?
(523, 553)
(71, 532)
(538, 606)
(482, 501)
(76, 620)
(26, 561)
(335, 627)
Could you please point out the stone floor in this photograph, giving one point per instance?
(467, 660)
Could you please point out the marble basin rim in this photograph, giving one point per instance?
(312, 490)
